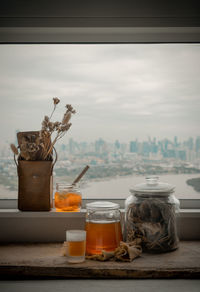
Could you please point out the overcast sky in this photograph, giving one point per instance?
(119, 91)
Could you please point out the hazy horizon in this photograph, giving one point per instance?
(124, 91)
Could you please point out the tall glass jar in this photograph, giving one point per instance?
(103, 227)
(67, 198)
(150, 213)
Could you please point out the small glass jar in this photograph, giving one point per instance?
(103, 227)
(67, 198)
(150, 213)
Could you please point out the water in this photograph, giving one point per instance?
(118, 187)
(5, 193)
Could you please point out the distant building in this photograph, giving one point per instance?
(146, 148)
(182, 154)
(117, 145)
(133, 146)
(100, 146)
(175, 141)
(197, 144)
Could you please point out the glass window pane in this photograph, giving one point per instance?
(137, 113)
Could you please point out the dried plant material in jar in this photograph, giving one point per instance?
(150, 214)
(154, 221)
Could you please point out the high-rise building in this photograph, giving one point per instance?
(99, 146)
(197, 144)
(190, 143)
(117, 145)
(175, 141)
(134, 146)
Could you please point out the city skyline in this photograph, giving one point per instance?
(114, 160)
(119, 91)
(131, 139)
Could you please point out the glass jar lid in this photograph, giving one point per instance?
(152, 186)
(102, 205)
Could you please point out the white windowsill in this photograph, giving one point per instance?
(184, 203)
(17, 226)
(15, 213)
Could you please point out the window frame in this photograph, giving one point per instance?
(98, 35)
(190, 209)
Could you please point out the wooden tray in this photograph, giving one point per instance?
(46, 261)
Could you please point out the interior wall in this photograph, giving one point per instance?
(123, 13)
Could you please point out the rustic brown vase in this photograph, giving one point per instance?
(35, 185)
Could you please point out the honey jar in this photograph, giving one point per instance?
(67, 198)
(103, 227)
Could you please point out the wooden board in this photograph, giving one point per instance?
(46, 261)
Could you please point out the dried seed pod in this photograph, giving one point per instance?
(14, 149)
(66, 118)
(65, 128)
(70, 108)
(56, 100)
(46, 119)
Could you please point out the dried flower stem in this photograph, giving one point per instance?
(48, 128)
(50, 148)
(59, 135)
(55, 101)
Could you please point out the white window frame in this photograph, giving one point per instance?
(189, 217)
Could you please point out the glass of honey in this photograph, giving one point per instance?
(103, 227)
(76, 243)
(67, 198)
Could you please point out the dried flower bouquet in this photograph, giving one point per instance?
(38, 145)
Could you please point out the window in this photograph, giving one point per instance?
(137, 112)
(59, 222)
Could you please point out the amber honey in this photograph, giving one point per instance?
(67, 201)
(76, 248)
(102, 236)
(76, 243)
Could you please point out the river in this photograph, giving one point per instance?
(118, 187)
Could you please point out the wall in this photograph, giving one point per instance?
(104, 13)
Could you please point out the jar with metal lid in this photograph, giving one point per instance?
(67, 198)
(103, 227)
(150, 213)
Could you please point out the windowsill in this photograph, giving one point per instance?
(45, 260)
(38, 227)
(12, 213)
(15, 213)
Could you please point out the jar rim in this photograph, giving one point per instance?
(66, 186)
(102, 205)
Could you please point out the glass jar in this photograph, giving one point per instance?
(150, 213)
(67, 198)
(103, 227)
